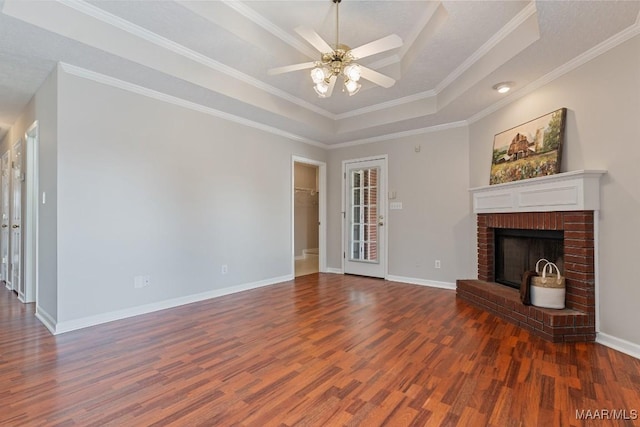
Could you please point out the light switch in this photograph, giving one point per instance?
(395, 205)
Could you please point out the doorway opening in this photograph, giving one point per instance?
(308, 201)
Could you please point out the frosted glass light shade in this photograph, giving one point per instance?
(317, 75)
(352, 72)
(352, 87)
(321, 89)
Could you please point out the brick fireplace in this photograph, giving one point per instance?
(566, 202)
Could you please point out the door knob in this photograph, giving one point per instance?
(381, 223)
(15, 226)
(4, 225)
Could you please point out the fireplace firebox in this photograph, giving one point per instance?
(518, 250)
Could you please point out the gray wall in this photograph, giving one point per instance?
(47, 114)
(435, 222)
(149, 188)
(602, 132)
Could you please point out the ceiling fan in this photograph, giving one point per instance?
(339, 61)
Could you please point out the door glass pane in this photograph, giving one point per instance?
(356, 196)
(355, 252)
(363, 221)
(356, 232)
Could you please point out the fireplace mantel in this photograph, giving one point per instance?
(568, 191)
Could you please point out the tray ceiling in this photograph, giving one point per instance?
(214, 56)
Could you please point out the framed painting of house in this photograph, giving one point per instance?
(529, 150)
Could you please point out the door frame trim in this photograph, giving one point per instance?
(384, 158)
(31, 231)
(322, 212)
(17, 183)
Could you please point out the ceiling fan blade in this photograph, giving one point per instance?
(376, 77)
(314, 39)
(288, 68)
(332, 83)
(381, 45)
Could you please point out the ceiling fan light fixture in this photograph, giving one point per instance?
(352, 87)
(339, 61)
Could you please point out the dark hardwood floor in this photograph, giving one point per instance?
(323, 350)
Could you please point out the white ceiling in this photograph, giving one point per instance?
(216, 54)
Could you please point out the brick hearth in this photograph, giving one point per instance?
(577, 321)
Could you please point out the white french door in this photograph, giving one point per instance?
(5, 180)
(365, 217)
(15, 258)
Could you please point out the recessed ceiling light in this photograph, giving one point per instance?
(503, 87)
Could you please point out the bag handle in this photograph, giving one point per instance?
(538, 263)
(551, 265)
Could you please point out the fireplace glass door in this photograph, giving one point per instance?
(517, 251)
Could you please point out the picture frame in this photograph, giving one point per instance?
(529, 150)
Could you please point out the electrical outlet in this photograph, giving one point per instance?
(437, 263)
(224, 269)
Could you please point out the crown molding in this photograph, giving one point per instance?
(385, 105)
(397, 135)
(170, 99)
(576, 62)
(150, 93)
(498, 37)
(138, 31)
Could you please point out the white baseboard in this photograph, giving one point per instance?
(46, 319)
(619, 344)
(334, 270)
(85, 322)
(422, 282)
(306, 253)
